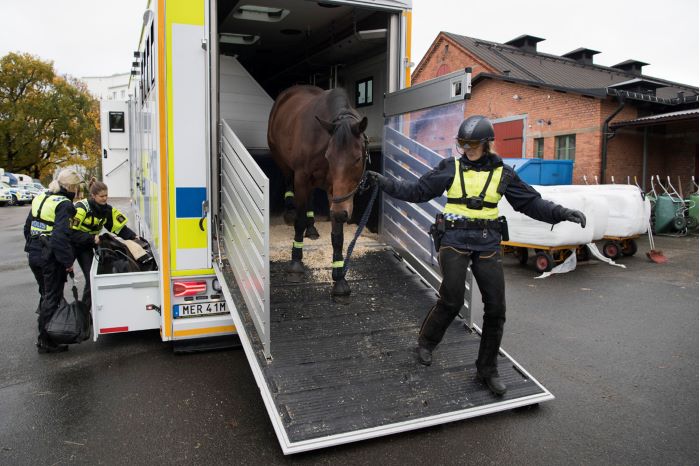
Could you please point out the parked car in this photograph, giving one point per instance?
(19, 196)
(5, 196)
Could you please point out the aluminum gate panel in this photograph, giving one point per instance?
(245, 222)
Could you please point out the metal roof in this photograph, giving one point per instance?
(560, 72)
(661, 118)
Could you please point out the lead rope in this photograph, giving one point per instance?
(360, 227)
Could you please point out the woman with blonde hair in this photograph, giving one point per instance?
(47, 235)
(93, 214)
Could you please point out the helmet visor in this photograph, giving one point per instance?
(464, 143)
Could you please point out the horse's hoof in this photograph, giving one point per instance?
(295, 272)
(295, 267)
(311, 232)
(341, 289)
(290, 216)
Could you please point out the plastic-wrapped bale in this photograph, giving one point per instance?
(628, 210)
(595, 206)
(525, 230)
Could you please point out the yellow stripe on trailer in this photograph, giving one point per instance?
(205, 331)
(193, 236)
(166, 331)
(408, 16)
(192, 273)
(186, 12)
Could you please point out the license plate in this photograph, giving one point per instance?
(199, 309)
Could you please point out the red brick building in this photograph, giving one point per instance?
(559, 107)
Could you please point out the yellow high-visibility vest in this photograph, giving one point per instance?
(44, 213)
(474, 183)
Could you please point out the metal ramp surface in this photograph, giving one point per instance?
(344, 373)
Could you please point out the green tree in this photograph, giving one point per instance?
(46, 121)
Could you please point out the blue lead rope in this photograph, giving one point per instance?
(360, 227)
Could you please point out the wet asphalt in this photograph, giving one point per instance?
(617, 347)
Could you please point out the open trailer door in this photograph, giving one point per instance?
(333, 373)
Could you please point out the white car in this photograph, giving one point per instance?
(18, 195)
(5, 196)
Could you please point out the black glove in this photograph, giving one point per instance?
(575, 216)
(378, 179)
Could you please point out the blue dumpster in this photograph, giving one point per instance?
(543, 172)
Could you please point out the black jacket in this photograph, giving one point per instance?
(519, 194)
(83, 240)
(59, 241)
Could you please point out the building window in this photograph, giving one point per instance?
(539, 148)
(566, 147)
(363, 93)
(116, 122)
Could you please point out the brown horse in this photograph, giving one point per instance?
(317, 139)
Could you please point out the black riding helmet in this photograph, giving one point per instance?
(475, 128)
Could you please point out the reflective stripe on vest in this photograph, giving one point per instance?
(119, 220)
(85, 221)
(44, 213)
(474, 182)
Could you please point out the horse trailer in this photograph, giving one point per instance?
(205, 194)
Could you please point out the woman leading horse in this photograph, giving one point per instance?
(317, 139)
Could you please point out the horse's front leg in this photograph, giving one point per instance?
(296, 266)
(341, 289)
(311, 231)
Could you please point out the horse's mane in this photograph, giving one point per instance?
(343, 115)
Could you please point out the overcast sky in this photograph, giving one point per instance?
(97, 37)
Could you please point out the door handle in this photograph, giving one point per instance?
(205, 209)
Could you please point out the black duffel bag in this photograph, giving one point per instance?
(71, 322)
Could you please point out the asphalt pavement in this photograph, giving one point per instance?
(617, 347)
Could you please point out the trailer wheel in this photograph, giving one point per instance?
(522, 255)
(629, 248)
(543, 262)
(611, 250)
(582, 253)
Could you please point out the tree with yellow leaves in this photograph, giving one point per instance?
(46, 120)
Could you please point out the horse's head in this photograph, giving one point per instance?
(346, 155)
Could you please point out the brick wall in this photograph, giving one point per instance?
(549, 114)
(445, 56)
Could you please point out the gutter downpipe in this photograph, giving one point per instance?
(606, 137)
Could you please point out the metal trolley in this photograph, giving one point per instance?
(546, 257)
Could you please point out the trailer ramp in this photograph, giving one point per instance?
(344, 373)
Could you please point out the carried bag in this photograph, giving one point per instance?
(71, 322)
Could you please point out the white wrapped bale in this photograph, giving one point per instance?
(628, 210)
(595, 206)
(525, 230)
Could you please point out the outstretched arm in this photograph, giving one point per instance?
(429, 186)
(525, 199)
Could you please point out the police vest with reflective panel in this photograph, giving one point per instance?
(44, 213)
(87, 222)
(474, 194)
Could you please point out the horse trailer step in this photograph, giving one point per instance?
(343, 373)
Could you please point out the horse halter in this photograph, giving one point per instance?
(362, 185)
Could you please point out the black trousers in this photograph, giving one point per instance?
(487, 268)
(51, 278)
(84, 258)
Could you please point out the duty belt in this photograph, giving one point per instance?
(473, 224)
(500, 224)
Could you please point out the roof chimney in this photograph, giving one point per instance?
(582, 55)
(631, 66)
(525, 43)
